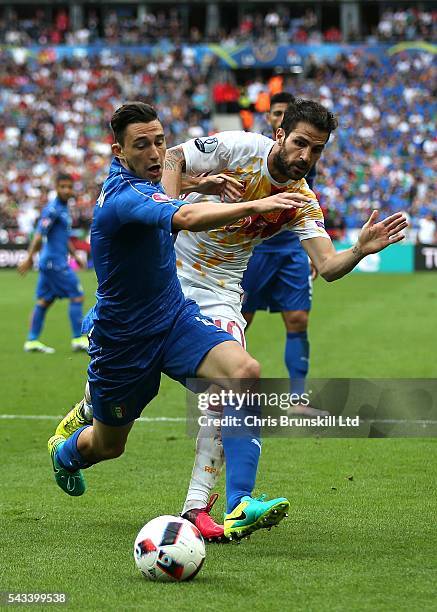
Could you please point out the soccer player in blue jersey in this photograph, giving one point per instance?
(278, 279)
(56, 279)
(142, 323)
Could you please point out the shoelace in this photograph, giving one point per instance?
(261, 498)
(214, 497)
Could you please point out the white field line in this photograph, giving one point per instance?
(58, 417)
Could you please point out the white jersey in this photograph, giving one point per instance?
(216, 259)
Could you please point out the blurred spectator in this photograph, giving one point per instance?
(427, 232)
(128, 26)
(54, 116)
(383, 154)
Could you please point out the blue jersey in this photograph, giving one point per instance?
(55, 226)
(138, 291)
(287, 241)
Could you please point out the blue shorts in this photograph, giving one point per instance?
(277, 282)
(54, 284)
(125, 377)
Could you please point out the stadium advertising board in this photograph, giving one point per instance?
(12, 254)
(398, 258)
(425, 257)
(239, 56)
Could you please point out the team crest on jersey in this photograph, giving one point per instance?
(206, 145)
(119, 411)
(160, 197)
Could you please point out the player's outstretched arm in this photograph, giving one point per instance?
(34, 247)
(209, 215)
(374, 237)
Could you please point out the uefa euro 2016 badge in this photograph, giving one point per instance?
(206, 145)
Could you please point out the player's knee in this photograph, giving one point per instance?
(296, 320)
(112, 451)
(78, 300)
(44, 303)
(249, 368)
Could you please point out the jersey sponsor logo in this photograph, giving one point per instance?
(206, 145)
(160, 197)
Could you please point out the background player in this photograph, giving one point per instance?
(56, 279)
(142, 323)
(278, 279)
(211, 264)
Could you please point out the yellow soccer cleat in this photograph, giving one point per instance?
(73, 421)
(35, 346)
(79, 344)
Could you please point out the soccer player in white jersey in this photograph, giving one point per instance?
(211, 264)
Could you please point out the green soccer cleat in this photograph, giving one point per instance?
(73, 483)
(73, 421)
(252, 514)
(35, 346)
(79, 344)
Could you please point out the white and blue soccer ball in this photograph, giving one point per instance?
(169, 549)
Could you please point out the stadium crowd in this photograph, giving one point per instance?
(129, 26)
(54, 115)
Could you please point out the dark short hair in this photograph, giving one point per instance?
(131, 112)
(310, 112)
(283, 97)
(63, 176)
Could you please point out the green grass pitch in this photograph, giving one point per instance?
(363, 544)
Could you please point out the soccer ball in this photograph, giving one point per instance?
(169, 549)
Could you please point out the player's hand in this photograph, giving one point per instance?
(281, 201)
(25, 266)
(80, 262)
(223, 185)
(377, 236)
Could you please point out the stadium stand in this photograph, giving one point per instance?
(55, 112)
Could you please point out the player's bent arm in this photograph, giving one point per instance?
(374, 237)
(190, 184)
(174, 166)
(330, 264)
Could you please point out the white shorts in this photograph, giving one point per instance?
(225, 315)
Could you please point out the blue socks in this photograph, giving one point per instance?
(37, 321)
(242, 448)
(75, 313)
(297, 352)
(68, 455)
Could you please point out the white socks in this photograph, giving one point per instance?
(208, 464)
